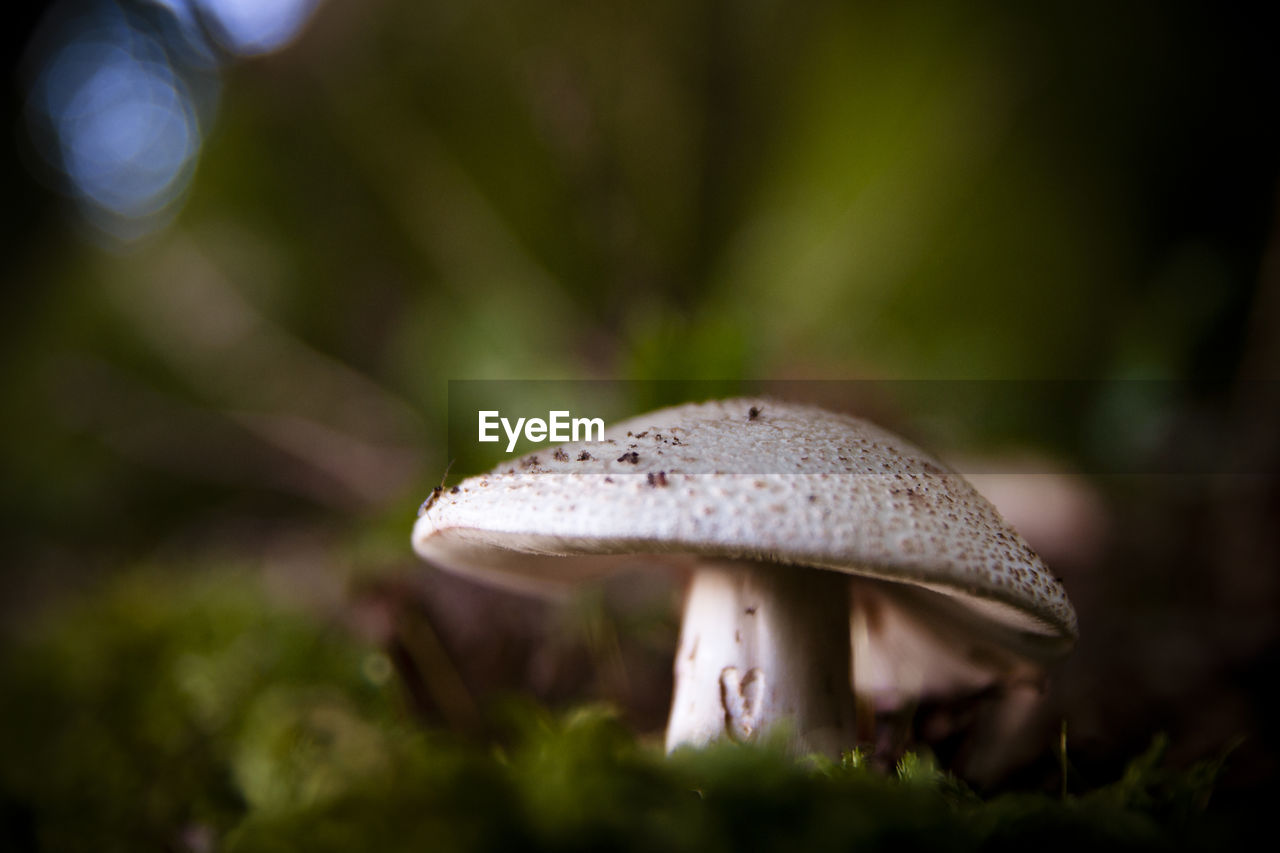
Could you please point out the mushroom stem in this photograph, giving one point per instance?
(763, 644)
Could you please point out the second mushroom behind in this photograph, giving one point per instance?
(773, 508)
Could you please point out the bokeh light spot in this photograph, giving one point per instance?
(256, 26)
(128, 135)
(121, 91)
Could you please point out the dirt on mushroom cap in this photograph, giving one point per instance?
(754, 479)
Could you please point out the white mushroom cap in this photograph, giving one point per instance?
(789, 484)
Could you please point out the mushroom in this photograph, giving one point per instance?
(771, 507)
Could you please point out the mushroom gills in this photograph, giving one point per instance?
(910, 644)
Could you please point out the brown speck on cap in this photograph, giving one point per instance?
(753, 413)
(584, 456)
(632, 457)
(560, 455)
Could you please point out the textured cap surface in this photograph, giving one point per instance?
(749, 479)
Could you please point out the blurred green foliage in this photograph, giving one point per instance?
(190, 714)
(414, 193)
(156, 703)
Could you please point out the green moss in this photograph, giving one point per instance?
(175, 713)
